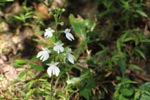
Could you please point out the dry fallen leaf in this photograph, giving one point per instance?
(13, 9)
(4, 27)
(4, 83)
(10, 72)
(7, 74)
(42, 10)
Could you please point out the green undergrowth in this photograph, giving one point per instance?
(111, 51)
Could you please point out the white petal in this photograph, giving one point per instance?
(48, 32)
(61, 49)
(39, 54)
(67, 30)
(41, 58)
(53, 64)
(45, 49)
(57, 71)
(44, 54)
(56, 63)
(49, 71)
(69, 36)
(53, 69)
(58, 47)
(68, 51)
(70, 58)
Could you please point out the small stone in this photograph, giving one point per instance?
(4, 27)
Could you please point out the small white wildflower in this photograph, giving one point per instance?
(70, 57)
(53, 69)
(69, 36)
(58, 47)
(48, 32)
(44, 54)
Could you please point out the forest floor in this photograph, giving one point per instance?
(17, 42)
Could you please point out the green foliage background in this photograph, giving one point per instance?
(107, 49)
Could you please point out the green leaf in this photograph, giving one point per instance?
(74, 81)
(37, 67)
(137, 95)
(16, 65)
(22, 74)
(30, 92)
(138, 51)
(128, 39)
(127, 92)
(122, 65)
(145, 86)
(90, 82)
(135, 67)
(86, 89)
(30, 84)
(145, 41)
(119, 43)
(125, 4)
(62, 95)
(140, 12)
(86, 93)
(52, 39)
(143, 93)
(19, 17)
(77, 80)
(145, 96)
(69, 89)
(19, 63)
(6, 1)
(122, 98)
(77, 24)
(15, 99)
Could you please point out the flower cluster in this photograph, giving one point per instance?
(53, 69)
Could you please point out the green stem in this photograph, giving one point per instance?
(56, 25)
(56, 21)
(51, 88)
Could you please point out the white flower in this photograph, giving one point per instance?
(48, 32)
(70, 57)
(69, 36)
(44, 54)
(58, 47)
(53, 69)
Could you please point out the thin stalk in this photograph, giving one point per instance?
(51, 94)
